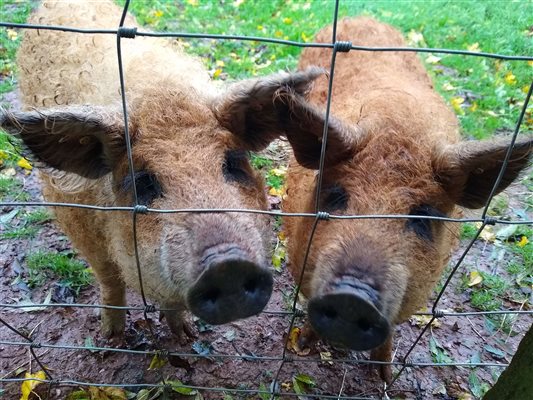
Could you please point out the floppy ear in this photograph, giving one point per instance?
(84, 140)
(468, 170)
(259, 111)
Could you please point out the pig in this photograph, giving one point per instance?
(393, 148)
(190, 142)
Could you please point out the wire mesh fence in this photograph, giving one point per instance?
(25, 340)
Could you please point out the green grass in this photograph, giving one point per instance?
(468, 231)
(71, 273)
(39, 216)
(491, 91)
(12, 11)
(25, 232)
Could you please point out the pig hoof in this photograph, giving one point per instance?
(231, 287)
(180, 327)
(385, 372)
(112, 324)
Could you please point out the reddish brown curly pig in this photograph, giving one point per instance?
(190, 142)
(394, 148)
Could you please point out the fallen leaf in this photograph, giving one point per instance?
(12, 34)
(28, 386)
(157, 362)
(487, 233)
(474, 47)
(509, 78)
(422, 320)
(326, 356)
(278, 257)
(23, 163)
(107, 393)
(293, 344)
(448, 86)
(217, 73)
(287, 21)
(456, 103)
(523, 241)
(28, 303)
(475, 278)
(8, 172)
(415, 38)
(431, 59)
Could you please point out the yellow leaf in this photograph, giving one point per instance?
(475, 278)
(282, 236)
(448, 87)
(217, 73)
(287, 21)
(276, 192)
(158, 13)
(530, 63)
(509, 78)
(12, 34)
(3, 155)
(415, 38)
(423, 320)
(304, 37)
(23, 163)
(107, 393)
(260, 27)
(220, 63)
(286, 386)
(473, 107)
(456, 103)
(523, 241)
(193, 3)
(326, 356)
(278, 34)
(28, 386)
(278, 257)
(281, 171)
(157, 362)
(525, 89)
(474, 47)
(431, 59)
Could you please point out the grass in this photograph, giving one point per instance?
(71, 273)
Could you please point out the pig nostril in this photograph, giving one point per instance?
(250, 287)
(330, 313)
(212, 295)
(364, 324)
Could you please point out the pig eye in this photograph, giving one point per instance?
(422, 227)
(147, 185)
(334, 198)
(236, 167)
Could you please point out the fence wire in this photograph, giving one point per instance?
(274, 391)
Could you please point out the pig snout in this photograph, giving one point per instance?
(230, 286)
(349, 315)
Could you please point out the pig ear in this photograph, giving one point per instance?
(468, 170)
(259, 111)
(83, 140)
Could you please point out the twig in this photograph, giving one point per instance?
(474, 329)
(342, 384)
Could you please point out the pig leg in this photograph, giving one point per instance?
(177, 321)
(113, 293)
(384, 353)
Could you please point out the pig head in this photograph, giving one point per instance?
(188, 151)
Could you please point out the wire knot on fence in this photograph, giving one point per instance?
(129, 33)
(342, 46)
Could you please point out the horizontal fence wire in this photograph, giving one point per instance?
(136, 209)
